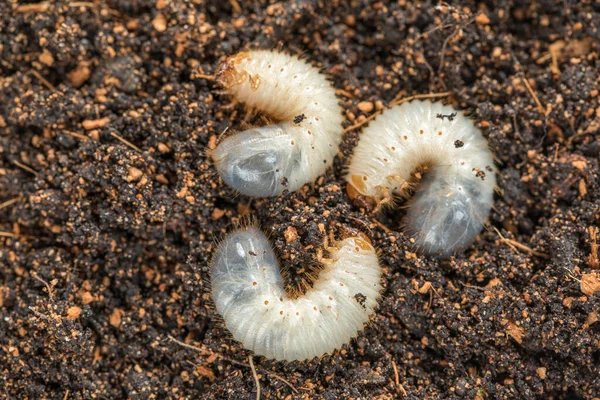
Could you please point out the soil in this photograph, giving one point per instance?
(111, 209)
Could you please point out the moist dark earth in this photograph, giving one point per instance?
(111, 210)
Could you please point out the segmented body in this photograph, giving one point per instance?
(249, 294)
(264, 161)
(454, 198)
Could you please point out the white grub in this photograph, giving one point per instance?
(264, 161)
(454, 198)
(248, 291)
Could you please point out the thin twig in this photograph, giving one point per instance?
(381, 225)
(9, 234)
(37, 7)
(342, 92)
(48, 288)
(127, 143)
(532, 93)
(436, 28)
(397, 377)
(14, 235)
(361, 123)
(204, 76)
(25, 167)
(222, 357)
(450, 37)
(520, 246)
(40, 315)
(251, 362)
(235, 6)
(395, 102)
(10, 202)
(396, 373)
(42, 79)
(81, 4)
(419, 96)
(76, 135)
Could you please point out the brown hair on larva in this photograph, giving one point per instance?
(228, 75)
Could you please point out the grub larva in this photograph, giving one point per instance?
(248, 292)
(455, 196)
(263, 161)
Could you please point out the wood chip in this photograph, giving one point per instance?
(290, 234)
(86, 298)
(590, 283)
(217, 213)
(516, 332)
(425, 288)
(39, 7)
(541, 371)
(133, 174)
(115, 317)
(482, 19)
(90, 124)
(366, 106)
(73, 312)
(46, 58)
(79, 75)
(163, 148)
(160, 23)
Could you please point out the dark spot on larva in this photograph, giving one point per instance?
(293, 143)
(360, 299)
(385, 160)
(309, 132)
(269, 66)
(440, 133)
(489, 169)
(341, 284)
(283, 181)
(365, 178)
(297, 313)
(254, 283)
(280, 312)
(479, 173)
(460, 189)
(324, 161)
(421, 132)
(252, 253)
(316, 118)
(458, 144)
(449, 116)
(330, 298)
(299, 118)
(405, 137)
(295, 76)
(393, 148)
(315, 308)
(281, 70)
(266, 302)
